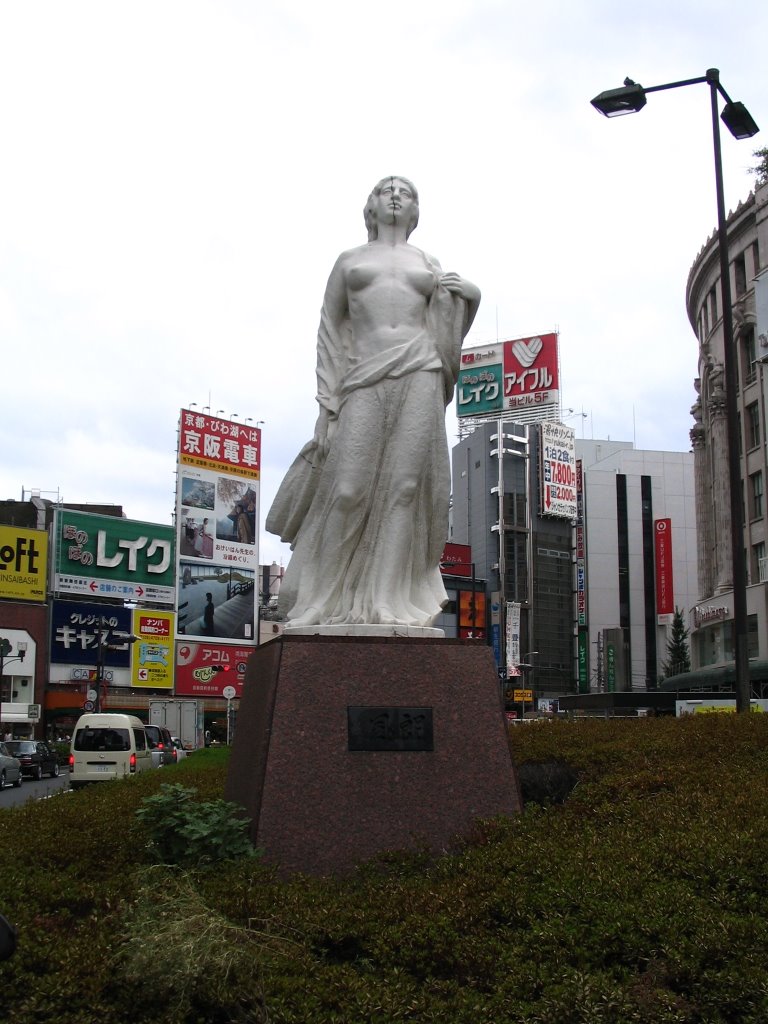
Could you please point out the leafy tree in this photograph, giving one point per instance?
(678, 652)
(760, 170)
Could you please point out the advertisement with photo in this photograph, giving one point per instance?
(217, 522)
(216, 600)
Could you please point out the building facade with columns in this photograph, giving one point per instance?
(711, 619)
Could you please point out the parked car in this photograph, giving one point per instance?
(161, 745)
(181, 750)
(10, 768)
(37, 758)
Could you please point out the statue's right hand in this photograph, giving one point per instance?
(321, 433)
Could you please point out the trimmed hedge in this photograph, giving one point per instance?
(640, 898)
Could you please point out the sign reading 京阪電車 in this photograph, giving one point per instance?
(23, 563)
(106, 556)
(217, 516)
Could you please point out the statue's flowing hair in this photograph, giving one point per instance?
(370, 217)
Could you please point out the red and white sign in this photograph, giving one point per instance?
(456, 560)
(204, 670)
(531, 371)
(665, 595)
(223, 445)
(558, 471)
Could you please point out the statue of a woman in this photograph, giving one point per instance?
(365, 506)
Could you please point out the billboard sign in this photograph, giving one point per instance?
(23, 563)
(456, 560)
(152, 654)
(205, 669)
(75, 629)
(557, 469)
(217, 520)
(106, 556)
(665, 594)
(521, 374)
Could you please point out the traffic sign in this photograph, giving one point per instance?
(229, 692)
(88, 705)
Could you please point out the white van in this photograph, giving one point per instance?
(107, 747)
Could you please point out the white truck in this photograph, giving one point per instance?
(180, 717)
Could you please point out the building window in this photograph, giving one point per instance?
(755, 257)
(756, 487)
(740, 274)
(749, 357)
(753, 425)
(705, 319)
(713, 306)
(760, 563)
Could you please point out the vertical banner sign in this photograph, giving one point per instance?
(217, 517)
(583, 662)
(471, 615)
(152, 660)
(665, 595)
(610, 667)
(496, 627)
(23, 563)
(520, 375)
(513, 637)
(557, 468)
(581, 555)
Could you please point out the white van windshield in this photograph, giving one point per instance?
(102, 739)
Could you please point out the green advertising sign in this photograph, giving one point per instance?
(105, 556)
(479, 389)
(583, 662)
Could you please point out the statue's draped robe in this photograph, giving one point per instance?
(338, 572)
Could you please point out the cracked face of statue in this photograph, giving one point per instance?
(393, 200)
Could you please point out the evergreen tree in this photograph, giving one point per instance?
(678, 652)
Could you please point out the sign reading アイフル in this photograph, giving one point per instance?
(520, 375)
(105, 556)
(23, 563)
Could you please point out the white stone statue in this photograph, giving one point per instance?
(365, 504)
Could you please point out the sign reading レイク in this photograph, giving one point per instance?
(106, 556)
(512, 375)
(23, 563)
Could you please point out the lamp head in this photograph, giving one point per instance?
(738, 120)
(627, 100)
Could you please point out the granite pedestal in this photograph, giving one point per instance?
(347, 747)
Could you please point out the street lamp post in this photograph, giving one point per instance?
(629, 100)
(107, 639)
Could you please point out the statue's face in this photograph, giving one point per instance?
(395, 202)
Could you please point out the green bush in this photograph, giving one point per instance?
(641, 898)
(190, 834)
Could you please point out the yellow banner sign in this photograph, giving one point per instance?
(523, 696)
(153, 652)
(23, 563)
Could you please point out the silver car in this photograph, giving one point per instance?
(10, 768)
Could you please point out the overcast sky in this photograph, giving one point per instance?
(177, 179)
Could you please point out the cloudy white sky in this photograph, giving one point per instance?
(178, 177)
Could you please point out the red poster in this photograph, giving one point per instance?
(203, 669)
(665, 596)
